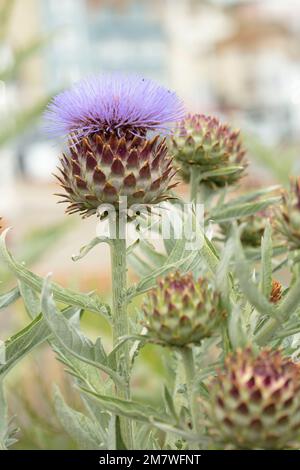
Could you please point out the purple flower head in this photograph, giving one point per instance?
(113, 103)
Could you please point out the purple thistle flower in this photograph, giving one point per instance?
(113, 103)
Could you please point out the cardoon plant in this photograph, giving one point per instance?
(207, 300)
(107, 120)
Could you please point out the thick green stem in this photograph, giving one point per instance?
(120, 319)
(194, 183)
(189, 367)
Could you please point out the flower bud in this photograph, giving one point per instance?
(202, 141)
(255, 400)
(181, 311)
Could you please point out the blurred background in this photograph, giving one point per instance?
(239, 60)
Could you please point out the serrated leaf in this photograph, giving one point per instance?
(87, 248)
(250, 290)
(150, 281)
(80, 427)
(23, 342)
(120, 445)
(141, 267)
(73, 340)
(9, 297)
(209, 255)
(157, 259)
(127, 408)
(229, 211)
(220, 172)
(67, 296)
(252, 195)
(291, 301)
(222, 274)
(170, 406)
(169, 428)
(236, 329)
(31, 300)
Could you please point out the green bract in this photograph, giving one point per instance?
(182, 311)
(213, 149)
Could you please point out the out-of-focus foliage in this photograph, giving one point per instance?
(280, 161)
(13, 125)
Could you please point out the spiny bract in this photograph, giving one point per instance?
(181, 311)
(255, 400)
(202, 142)
(102, 170)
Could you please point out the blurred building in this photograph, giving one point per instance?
(235, 58)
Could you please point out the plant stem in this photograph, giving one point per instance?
(189, 367)
(194, 183)
(120, 319)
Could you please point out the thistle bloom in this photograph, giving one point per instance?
(202, 142)
(182, 311)
(255, 400)
(107, 119)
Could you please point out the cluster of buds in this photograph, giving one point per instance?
(286, 219)
(107, 120)
(182, 311)
(203, 142)
(255, 400)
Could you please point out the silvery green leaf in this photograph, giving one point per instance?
(129, 408)
(81, 428)
(209, 255)
(87, 248)
(150, 281)
(31, 300)
(67, 296)
(9, 298)
(141, 267)
(254, 254)
(237, 211)
(86, 375)
(222, 280)
(139, 339)
(157, 259)
(169, 428)
(169, 402)
(248, 287)
(73, 340)
(22, 343)
(252, 195)
(290, 302)
(220, 172)
(146, 438)
(236, 328)
(266, 261)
